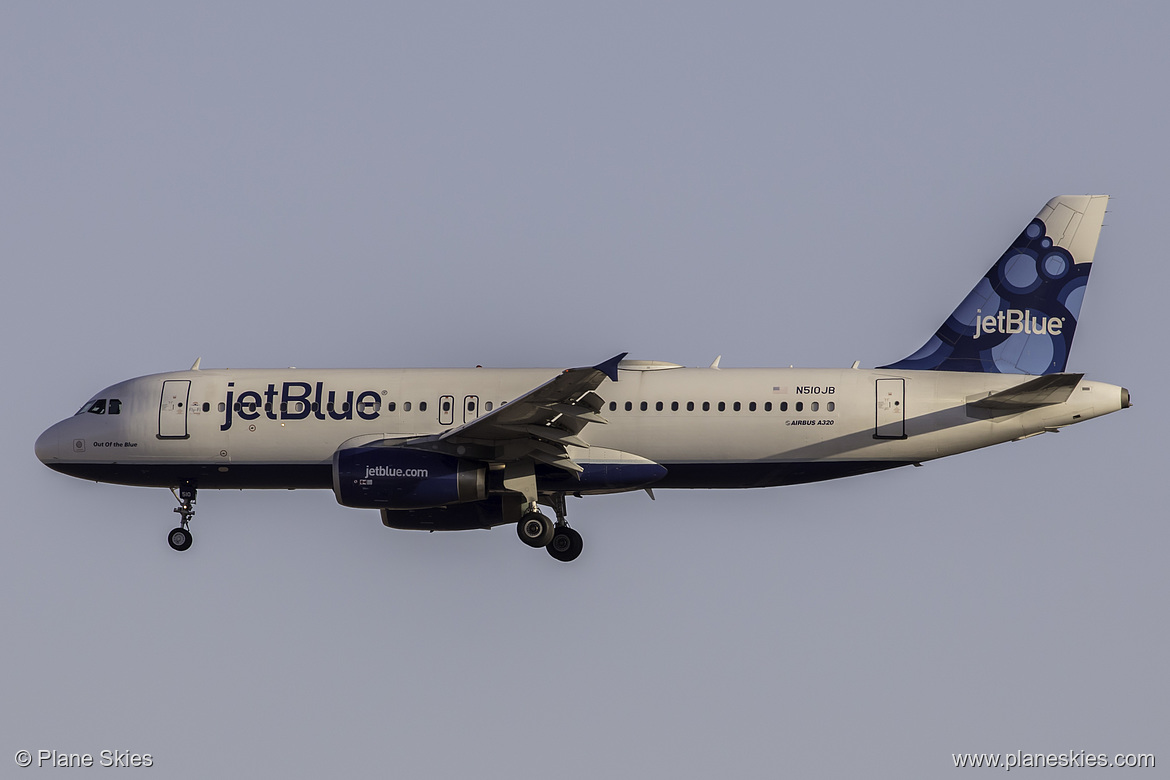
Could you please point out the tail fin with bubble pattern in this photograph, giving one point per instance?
(1021, 317)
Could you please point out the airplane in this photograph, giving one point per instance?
(458, 449)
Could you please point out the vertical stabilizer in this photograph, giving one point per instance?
(1021, 316)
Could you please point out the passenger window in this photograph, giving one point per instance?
(658, 407)
(370, 407)
(735, 406)
(722, 406)
(488, 406)
(800, 406)
(706, 406)
(629, 406)
(422, 406)
(767, 406)
(447, 406)
(116, 406)
(206, 406)
(222, 406)
(390, 406)
(830, 406)
(643, 406)
(752, 406)
(674, 406)
(613, 406)
(97, 407)
(283, 406)
(784, 406)
(690, 406)
(815, 406)
(406, 406)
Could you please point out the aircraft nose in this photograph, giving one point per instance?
(46, 445)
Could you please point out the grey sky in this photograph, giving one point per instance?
(525, 185)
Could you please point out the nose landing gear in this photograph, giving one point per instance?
(180, 538)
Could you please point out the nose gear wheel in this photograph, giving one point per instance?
(180, 538)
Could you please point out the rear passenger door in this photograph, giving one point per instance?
(890, 418)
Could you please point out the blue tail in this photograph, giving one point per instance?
(1021, 317)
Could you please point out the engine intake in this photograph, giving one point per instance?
(387, 477)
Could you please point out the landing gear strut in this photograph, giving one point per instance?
(180, 538)
(533, 528)
(566, 544)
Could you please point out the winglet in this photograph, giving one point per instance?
(610, 367)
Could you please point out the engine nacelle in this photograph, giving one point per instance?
(456, 517)
(387, 477)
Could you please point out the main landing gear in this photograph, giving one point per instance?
(180, 538)
(537, 530)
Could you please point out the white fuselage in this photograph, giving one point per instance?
(708, 427)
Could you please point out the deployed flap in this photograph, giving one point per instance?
(538, 425)
(1041, 391)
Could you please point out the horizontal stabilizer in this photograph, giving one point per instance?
(1041, 391)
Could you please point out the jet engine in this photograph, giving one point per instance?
(388, 477)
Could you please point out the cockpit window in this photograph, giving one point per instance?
(115, 406)
(97, 407)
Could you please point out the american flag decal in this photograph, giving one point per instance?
(780, 390)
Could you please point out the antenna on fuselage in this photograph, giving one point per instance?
(195, 365)
(715, 362)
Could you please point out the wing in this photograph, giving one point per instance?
(539, 425)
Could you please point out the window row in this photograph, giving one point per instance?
(721, 406)
(366, 407)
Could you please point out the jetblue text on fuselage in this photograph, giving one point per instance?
(1016, 321)
(298, 401)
